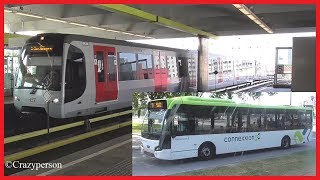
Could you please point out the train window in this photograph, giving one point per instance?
(112, 66)
(75, 80)
(145, 66)
(127, 66)
(172, 66)
(100, 63)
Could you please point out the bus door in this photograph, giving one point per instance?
(105, 66)
(180, 141)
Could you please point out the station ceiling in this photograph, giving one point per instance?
(130, 22)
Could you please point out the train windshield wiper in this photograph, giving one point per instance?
(45, 83)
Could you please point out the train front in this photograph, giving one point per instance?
(38, 82)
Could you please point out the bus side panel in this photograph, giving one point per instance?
(237, 142)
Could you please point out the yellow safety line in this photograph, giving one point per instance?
(110, 116)
(53, 145)
(60, 128)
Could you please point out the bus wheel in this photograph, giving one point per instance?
(206, 151)
(285, 142)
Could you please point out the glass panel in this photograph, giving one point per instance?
(145, 66)
(100, 63)
(172, 67)
(112, 66)
(75, 81)
(128, 66)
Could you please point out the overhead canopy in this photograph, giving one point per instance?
(129, 22)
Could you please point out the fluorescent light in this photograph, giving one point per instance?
(244, 11)
(29, 33)
(111, 30)
(29, 15)
(128, 33)
(237, 5)
(93, 27)
(251, 17)
(8, 11)
(138, 35)
(77, 24)
(257, 22)
(56, 20)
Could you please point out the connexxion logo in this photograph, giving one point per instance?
(298, 137)
(243, 138)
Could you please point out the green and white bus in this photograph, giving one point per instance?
(189, 126)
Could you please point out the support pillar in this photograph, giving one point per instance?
(203, 69)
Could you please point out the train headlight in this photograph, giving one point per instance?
(56, 100)
(16, 98)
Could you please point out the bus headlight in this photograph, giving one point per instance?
(16, 98)
(56, 100)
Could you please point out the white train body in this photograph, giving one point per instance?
(99, 87)
(73, 75)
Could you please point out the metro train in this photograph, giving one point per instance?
(68, 75)
(71, 75)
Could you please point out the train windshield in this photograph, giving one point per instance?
(40, 64)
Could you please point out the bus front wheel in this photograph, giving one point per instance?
(206, 151)
(285, 142)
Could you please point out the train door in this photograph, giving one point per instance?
(160, 71)
(105, 66)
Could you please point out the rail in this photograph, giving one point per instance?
(243, 86)
(62, 127)
(53, 145)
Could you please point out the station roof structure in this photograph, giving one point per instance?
(129, 22)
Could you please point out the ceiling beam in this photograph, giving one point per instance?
(9, 35)
(124, 9)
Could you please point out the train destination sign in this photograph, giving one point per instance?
(40, 48)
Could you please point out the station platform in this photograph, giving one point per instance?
(270, 89)
(8, 100)
(110, 158)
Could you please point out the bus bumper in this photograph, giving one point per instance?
(164, 154)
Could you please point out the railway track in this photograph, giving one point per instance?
(244, 86)
(39, 145)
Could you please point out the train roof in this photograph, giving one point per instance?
(200, 101)
(71, 37)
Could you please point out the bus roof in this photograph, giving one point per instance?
(200, 101)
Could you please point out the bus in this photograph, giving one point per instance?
(190, 126)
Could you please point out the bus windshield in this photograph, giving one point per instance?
(153, 121)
